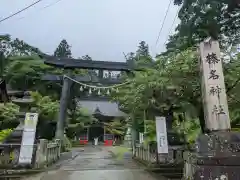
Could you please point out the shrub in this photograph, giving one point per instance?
(4, 133)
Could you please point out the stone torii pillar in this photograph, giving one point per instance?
(65, 95)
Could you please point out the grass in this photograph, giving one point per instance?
(119, 151)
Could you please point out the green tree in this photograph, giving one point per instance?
(16, 47)
(2, 63)
(143, 49)
(8, 116)
(21, 48)
(4, 52)
(117, 127)
(9, 49)
(200, 19)
(25, 73)
(77, 123)
(5, 44)
(63, 50)
(4, 134)
(142, 57)
(130, 57)
(46, 107)
(87, 58)
(175, 80)
(190, 127)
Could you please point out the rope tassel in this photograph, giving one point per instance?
(94, 88)
(81, 88)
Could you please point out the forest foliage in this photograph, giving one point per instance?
(170, 81)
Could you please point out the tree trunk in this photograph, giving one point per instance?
(1, 63)
(201, 119)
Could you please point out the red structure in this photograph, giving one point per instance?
(83, 140)
(108, 139)
(105, 112)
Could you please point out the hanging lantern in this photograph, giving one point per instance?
(81, 88)
(117, 90)
(90, 91)
(99, 92)
(108, 92)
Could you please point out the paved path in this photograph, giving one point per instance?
(95, 164)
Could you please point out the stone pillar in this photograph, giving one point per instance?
(104, 132)
(63, 107)
(41, 154)
(218, 151)
(58, 141)
(100, 75)
(213, 87)
(88, 133)
(133, 139)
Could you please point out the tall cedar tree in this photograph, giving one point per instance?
(63, 50)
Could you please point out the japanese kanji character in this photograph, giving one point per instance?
(213, 75)
(212, 59)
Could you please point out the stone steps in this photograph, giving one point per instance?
(171, 171)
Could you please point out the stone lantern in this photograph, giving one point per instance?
(24, 104)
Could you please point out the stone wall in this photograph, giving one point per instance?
(44, 154)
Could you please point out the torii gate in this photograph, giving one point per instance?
(70, 63)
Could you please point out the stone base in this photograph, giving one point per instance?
(219, 144)
(207, 172)
(218, 156)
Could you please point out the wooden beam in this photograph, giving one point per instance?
(70, 63)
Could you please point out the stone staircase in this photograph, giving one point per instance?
(170, 171)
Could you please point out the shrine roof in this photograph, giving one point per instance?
(104, 108)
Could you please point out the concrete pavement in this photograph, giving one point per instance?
(95, 163)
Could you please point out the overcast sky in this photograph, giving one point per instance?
(102, 29)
